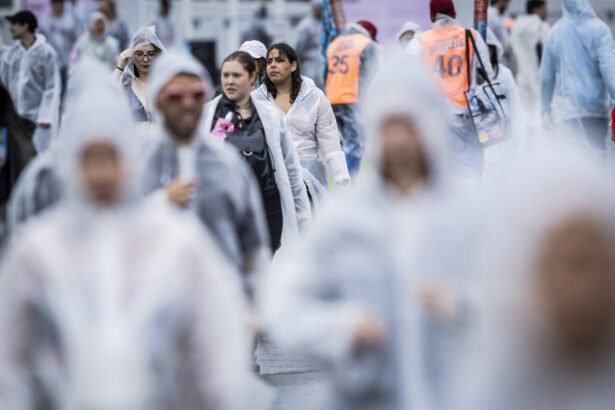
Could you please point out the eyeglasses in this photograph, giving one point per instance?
(140, 55)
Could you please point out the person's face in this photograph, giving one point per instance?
(236, 81)
(576, 272)
(279, 68)
(502, 5)
(181, 102)
(317, 12)
(402, 151)
(18, 30)
(98, 28)
(57, 8)
(406, 38)
(101, 173)
(542, 12)
(105, 8)
(144, 56)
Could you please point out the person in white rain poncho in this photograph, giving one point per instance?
(62, 29)
(164, 24)
(110, 303)
(508, 96)
(308, 113)
(547, 286)
(578, 73)
(30, 71)
(495, 21)
(308, 45)
(528, 39)
(192, 172)
(351, 295)
(133, 70)
(407, 33)
(96, 43)
(260, 134)
(118, 28)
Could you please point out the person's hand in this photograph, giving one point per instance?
(438, 299)
(180, 192)
(44, 125)
(124, 57)
(613, 124)
(369, 332)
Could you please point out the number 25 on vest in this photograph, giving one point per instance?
(339, 64)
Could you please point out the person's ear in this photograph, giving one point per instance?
(293, 66)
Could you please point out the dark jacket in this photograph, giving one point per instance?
(20, 149)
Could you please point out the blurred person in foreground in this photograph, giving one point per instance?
(308, 45)
(356, 295)
(578, 76)
(185, 168)
(29, 69)
(96, 43)
(547, 286)
(106, 289)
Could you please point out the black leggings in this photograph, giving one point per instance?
(273, 211)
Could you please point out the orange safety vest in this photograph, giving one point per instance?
(344, 56)
(444, 51)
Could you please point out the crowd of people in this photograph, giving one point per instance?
(431, 224)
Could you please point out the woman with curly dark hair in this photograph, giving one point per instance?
(308, 113)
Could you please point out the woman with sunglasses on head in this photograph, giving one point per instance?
(260, 135)
(309, 115)
(133, 68)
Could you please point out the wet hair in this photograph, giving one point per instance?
(286, 51)
(532, 5)
(243, 58)
(262, 66)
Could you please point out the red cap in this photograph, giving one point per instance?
(370, 27)
(442, 7)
